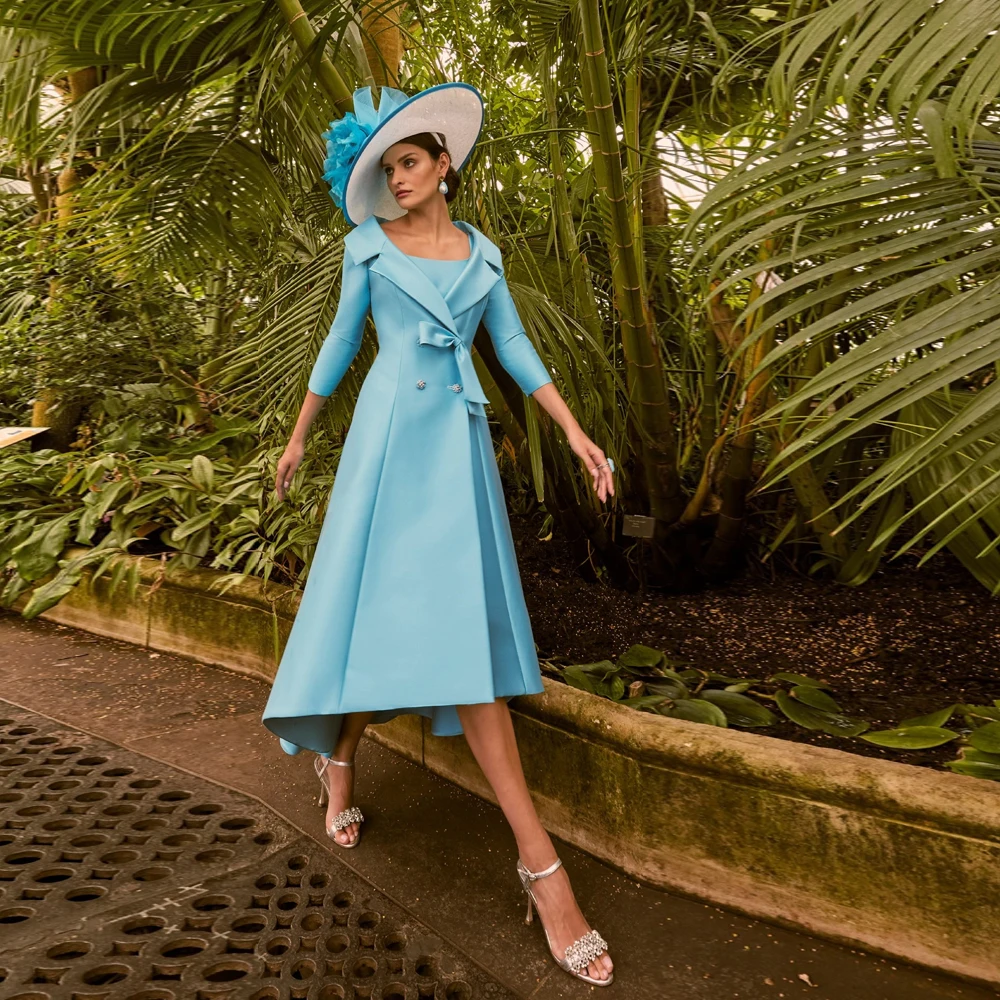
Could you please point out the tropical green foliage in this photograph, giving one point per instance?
(648, 680)
(754, 243)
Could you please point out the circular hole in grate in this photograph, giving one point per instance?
(205, 809)
(184, 948)
(60, 824)
(10, 797)
(92, 796)
(336, 943)
(226, 972)
(263, 838)
(394, 941)
(153, 874)
(89, 840)
(91, 761)
(120, 809)
(214, 855)
(61, 786)
(249, 925)
(23, 857)
(14, 761)
(288, 901)
(117, 772)
(86, 893)
(266, 882)
(119, 857)
(237, 823)
(458, 990)
(394, 991)
(319, 880)
(298, 862)
(364, 968)
(24, 731)
(144, 925)
(34, 811)
(105, 975)
(67, 751)
(303, 969)
(40, 772)
(16, 914)
(175, 795)
(145, 783)
(54, 875)
(312, 922)
(331, 992)
(68, 950)
(206, 904)
(179, 839)
(343, 899)
(42, 741)
(368, 919)
(152, 823)
(424, 966)
(278, 945)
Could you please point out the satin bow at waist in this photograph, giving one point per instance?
(435, 335)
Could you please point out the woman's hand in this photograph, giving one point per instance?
(594, 460)
(290, 461)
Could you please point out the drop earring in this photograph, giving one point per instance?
(443, 186)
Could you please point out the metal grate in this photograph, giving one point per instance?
(122, 878)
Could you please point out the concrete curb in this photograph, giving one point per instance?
(899, 860)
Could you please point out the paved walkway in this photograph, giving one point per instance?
(436, 865)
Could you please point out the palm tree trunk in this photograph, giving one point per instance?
(326, 73)
(583, 285)
(644, 369)
(383, 40)
(50, 409)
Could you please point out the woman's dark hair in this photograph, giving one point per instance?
(430, 142)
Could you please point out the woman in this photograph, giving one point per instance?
(413, 601)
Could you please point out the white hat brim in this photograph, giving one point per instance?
(453, 109)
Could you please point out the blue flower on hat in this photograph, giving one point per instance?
(345, 136)
(344, 140)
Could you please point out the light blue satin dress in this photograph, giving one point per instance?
(413, 603)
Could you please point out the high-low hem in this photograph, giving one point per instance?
(319, 733)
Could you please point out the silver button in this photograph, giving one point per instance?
(455, 388)
(421, 384)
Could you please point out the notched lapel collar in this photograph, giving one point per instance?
(481, 272)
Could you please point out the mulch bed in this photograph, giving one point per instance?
(908, 642)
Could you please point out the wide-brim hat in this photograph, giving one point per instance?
(355, 143)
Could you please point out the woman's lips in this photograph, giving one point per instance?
(402, 194)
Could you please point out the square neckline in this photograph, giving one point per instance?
(450, 260)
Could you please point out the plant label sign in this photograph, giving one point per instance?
(638, 525)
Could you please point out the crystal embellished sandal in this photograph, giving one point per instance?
(346, 816)
(583, 950)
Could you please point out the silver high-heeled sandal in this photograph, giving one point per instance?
(583, 950)
(346, 816)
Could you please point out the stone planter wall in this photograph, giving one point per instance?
(900, 860)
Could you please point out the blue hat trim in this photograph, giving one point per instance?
(346, 137)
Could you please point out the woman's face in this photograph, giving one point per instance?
(412, 174)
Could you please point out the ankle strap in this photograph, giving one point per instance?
(547, 871)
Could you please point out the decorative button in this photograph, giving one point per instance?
(421, 384)
(455, 388)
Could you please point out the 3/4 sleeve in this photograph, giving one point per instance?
(516, 352)
(343, 341)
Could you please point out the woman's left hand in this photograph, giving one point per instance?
(595, 462)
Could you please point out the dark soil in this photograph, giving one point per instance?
(906, 643)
